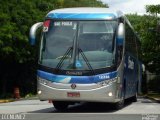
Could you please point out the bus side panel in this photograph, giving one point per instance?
(140, 78)
(130, 75)
(120, 75)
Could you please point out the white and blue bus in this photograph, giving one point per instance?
(87, 54)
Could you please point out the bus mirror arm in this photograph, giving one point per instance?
(32, 34)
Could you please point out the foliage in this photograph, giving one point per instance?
(153, 84)
(150, 38)
(17, 58)
(153, 9)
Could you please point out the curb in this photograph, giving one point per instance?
(12, 100)
(152, 98)
(30, 98)
(6, 101)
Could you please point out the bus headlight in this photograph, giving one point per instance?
(43, 81)
(107, 82)
(39, 92)
(110, 94)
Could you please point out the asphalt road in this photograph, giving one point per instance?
(143, 108)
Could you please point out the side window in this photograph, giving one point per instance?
(130, 40)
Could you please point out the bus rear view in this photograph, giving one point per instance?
(81, 57)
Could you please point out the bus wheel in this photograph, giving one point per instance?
(60, 105)
(119, 105)
(134, 98)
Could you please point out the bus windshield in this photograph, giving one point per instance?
(86, 41)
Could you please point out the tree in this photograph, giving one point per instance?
(17, 58)
(153, 9)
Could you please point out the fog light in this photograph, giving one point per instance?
(39, 92)
(110, 94)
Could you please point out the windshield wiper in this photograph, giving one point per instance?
(86, 60)
(60, 63)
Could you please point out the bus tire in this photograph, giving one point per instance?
(119, 105)
(134, 98)
(60, 105)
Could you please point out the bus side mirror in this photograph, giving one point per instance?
(120, 35)
(32, 34)
(120, 41)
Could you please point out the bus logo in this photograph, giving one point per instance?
(73, 86)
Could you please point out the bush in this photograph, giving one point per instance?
(154, 84)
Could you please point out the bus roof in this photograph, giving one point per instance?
(84, 13)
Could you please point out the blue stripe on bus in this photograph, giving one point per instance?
(76, 79)
(81, 16)
(120, 41)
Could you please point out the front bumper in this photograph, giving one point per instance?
(88, 92)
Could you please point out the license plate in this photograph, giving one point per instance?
(73, 94)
